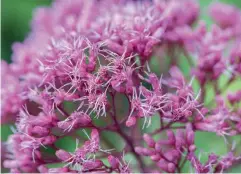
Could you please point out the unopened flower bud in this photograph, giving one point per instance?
(113, 161)
(155, 157)
(171, 167)
(131, 121)
(89, 165)
(63, 155)
(149, 140)
(39, 130)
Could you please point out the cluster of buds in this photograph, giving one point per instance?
(89, 61)
(166, 154)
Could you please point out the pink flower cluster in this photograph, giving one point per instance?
(84, 60)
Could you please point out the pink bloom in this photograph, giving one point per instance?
(225, 15)
(87, 62)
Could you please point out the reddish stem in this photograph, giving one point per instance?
(126, 137)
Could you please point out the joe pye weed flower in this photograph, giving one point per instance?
(86, 62)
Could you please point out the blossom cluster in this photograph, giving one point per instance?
(84, 60)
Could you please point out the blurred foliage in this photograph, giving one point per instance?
(16, 22)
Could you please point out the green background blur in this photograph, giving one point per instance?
(15, 24)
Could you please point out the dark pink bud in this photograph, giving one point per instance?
(148, 152)
(43, 169)
(63, 155)
(192, 148)
(171, 137)
(59, 170)
(48, 140)
(95, 136)
(42, 120)
(154, 81)
(171, 167)
(212, 158)
(187, 113)
(37, 154)
(81, 118)
(144, 151)
(163, 164)
(39, 130)
(113, 46)
(139, 150)
(89, 165)
(155, 157)
(149, 47)
(75, 120)
(172, 155)
(149, 140)
(204, 111)
(113, 162)
(232, 98)
(180, 139)
(92, 63)
(65, 125)
(131, 121)
(189, 134)
(158, 147)
(27, 169)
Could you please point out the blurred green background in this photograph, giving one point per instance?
(16, 20)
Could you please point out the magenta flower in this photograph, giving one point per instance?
(87, 66)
